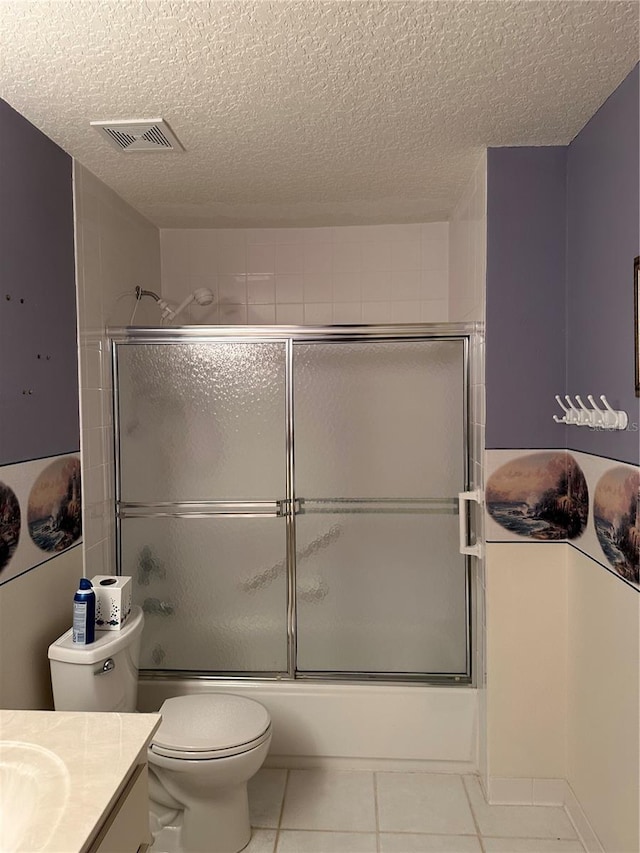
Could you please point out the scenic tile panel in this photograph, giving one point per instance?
(40, 512)
(539, 495)
(561, 495)
(616, 516)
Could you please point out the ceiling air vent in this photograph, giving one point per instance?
(152, 134)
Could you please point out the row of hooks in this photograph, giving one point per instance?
(595, 417)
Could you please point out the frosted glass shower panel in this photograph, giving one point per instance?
(379, 461)
(379, 419)
(213, 591)
(202, 421)
(381, 593)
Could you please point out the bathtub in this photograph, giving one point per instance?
(365, 726)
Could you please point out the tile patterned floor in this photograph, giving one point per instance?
(336, 811)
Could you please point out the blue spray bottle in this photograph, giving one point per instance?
(84, 613)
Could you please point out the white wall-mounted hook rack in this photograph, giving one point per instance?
(594, 417)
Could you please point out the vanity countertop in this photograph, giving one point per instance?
(76, 764)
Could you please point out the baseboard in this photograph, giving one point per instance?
(578, 818)
(390, 765)
(544, 792)
(525, 791)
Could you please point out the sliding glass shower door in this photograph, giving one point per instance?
(379, 462)
(287, 505)
(202, 501)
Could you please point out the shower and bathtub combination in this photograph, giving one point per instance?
(287, 505)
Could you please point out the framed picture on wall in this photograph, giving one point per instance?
(636, 314)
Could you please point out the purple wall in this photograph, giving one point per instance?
(603, 226)
(525, 349)
(562, 232)
(38, 322)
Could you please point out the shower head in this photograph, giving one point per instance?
(203, 296)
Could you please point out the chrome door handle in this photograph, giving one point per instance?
(463, 499)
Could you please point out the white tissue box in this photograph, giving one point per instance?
(113, 601)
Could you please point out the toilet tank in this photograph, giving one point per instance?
(101, 676)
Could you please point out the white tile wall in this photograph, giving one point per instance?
(311, 276)
(116, 249)
(468, 250)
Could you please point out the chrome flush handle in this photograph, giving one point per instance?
(108, 666)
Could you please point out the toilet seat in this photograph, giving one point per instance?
(209, 754)
(210, 725)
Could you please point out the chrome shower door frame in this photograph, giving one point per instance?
(288, 507)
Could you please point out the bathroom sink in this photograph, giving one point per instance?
(34, 787)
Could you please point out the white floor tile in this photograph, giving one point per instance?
(333, 800)
(420, 802)
(517, 821)
(298, 841)
(167, 841)
(410, 843)
(531, 845)
(266, 790)
(262, 841)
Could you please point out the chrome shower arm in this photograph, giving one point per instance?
(140, 293)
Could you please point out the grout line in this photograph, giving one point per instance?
(284, 795)
(376, 810)
(473, 814)
(345, 831)
(411, 832)
(534, 837)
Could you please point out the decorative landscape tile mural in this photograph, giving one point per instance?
(558, 495)
(9, 524)
(541, 496)
(40, 512)
(55, 509)
(616, 518)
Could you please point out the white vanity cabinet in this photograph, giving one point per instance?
(126, 829)
(89, 786)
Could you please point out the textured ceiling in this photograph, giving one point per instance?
(310, 113)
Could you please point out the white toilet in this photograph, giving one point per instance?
(205, 751)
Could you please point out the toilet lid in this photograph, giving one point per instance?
(210, 722)
(205, 754)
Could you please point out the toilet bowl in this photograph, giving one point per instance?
(201, 758)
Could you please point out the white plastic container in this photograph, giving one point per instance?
(113, 601)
